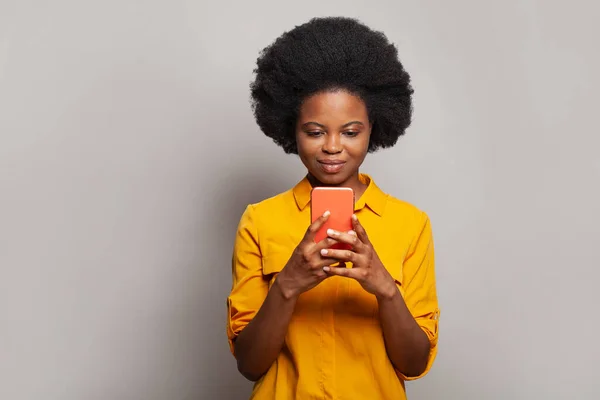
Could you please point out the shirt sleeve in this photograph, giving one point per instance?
(419, 288)
(249, 288)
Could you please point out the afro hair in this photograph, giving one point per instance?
(333, 53)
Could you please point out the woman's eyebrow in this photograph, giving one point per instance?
(352, 123)
(313, 123)
(323, 126)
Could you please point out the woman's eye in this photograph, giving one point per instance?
(314, 133)
(351, 133)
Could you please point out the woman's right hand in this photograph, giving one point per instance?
(304, 269)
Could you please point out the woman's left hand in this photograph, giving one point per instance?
(367, 268)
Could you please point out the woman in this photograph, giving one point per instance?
(307, 321)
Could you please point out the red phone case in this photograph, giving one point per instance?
(339, 201)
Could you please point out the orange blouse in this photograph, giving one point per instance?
(334, 347)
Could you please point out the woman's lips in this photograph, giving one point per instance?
(331, 167)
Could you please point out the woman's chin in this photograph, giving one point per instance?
(329, 179)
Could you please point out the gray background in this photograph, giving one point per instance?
(128, 152)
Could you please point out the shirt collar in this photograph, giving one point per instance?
(373, 197)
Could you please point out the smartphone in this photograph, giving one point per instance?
(340, 203)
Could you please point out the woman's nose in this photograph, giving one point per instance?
(332, 144)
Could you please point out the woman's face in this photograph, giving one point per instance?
(332, 133)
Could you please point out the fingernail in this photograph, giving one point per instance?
(354, 217)
(324, 252)
(326, 213)
(330, 232)
(352, 233)
(326, 269)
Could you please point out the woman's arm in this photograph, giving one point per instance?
(259, 335)
(409, 322)
(258, 345)
(406, 344)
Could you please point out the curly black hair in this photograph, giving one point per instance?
(333, 53)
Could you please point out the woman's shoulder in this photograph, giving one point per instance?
(406, 211)
(275, 220)
(270, 206)
(275, 202)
